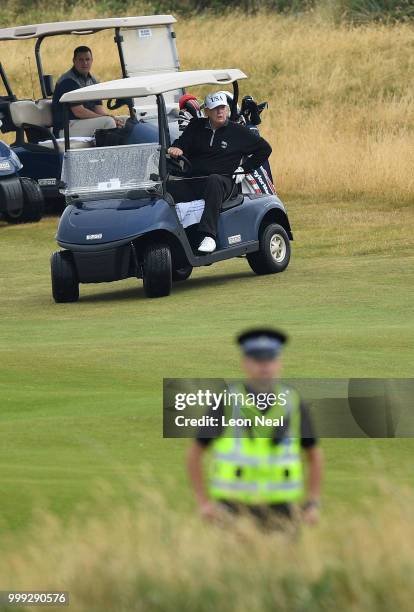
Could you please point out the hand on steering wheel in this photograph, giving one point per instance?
(179, 162)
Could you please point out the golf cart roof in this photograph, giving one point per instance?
(85, 26)
(153, 84)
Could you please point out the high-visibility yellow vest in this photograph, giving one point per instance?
(250, 469)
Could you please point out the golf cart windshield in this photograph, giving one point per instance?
(110, 171)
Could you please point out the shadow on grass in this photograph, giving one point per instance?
(135, 293)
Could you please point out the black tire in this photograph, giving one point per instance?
(181, 274)
(157, 270)
(273, 255)
(33, 203)
(65, 284)
(11, 192)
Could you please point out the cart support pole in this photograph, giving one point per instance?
(40, 67)
(164, 139)
(66, 126)
(233, 112)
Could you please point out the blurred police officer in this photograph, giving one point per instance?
(255, 470)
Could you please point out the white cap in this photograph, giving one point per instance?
(215, 99)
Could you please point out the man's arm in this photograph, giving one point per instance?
(102, 112)
(78, 110)
(315, 463)
(81, 112)
(183, 144)
(100, 109)
(314, 460)
(195, 470)
(255, 149)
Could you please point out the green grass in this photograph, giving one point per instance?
(80, 384)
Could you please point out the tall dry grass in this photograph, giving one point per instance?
(127, 559)
(341, 116)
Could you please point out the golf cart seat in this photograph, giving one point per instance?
(235, 198)
(36, 119)
(189, 213)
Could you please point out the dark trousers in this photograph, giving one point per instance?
(272, 517)
(214, 189)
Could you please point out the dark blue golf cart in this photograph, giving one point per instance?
(21, 200)
(120, 220)
(143, 45)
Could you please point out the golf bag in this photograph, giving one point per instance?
(189, 109)
(260, 180)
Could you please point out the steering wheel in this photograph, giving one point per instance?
(115, 103)
(181, 164)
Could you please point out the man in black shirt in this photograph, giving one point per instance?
(215, 146)
(257, 470)
(84, 118)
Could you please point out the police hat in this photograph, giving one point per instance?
(262, 344)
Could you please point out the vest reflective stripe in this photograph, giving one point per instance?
(235, 485)
(241, 459)
(252, 469)
(284, 486)
(226, 485)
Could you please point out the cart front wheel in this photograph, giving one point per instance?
(157, 270)
(65, 284)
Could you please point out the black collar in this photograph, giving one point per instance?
(208, 125)
(80, 75)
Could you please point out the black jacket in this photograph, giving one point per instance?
(221, 151)
(71, 80)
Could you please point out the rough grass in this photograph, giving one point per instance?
(341, 106)
(124, 560)
(80, 384)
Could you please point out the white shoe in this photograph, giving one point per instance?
(208, 245)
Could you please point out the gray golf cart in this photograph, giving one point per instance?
(120, 220)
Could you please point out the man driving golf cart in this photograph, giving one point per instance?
(84, 118)
(216, 148)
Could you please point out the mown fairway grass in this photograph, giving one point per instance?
(81, 383)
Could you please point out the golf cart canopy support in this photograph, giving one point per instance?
(152, 84)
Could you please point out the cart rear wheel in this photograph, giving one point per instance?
(274, 253)
(32, 205)
(33, 201)
(65, 284)
(181, 274)
(11, 199)
(157, 270)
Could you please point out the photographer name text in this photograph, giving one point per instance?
(212, 421)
